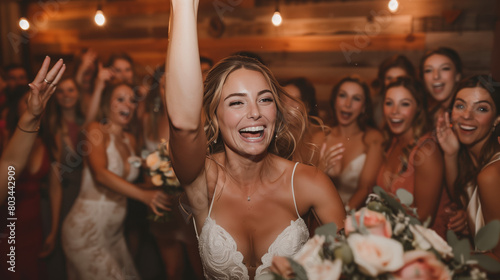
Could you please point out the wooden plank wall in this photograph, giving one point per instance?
(322, 41)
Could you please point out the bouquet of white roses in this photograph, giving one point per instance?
(384, 240)
(162, 173)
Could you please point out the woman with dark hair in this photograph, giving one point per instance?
(413, 160)
(388, 71)
(440, 71)
(353, 151)
(234, 166)
(302, 89)
(92, 233)
(469, 140)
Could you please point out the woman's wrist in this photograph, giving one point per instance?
(29, 122)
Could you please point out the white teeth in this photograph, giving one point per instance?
(466, 127)
(124, 113)
(396, 120)
(252, 129)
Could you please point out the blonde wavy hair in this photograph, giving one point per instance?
(290, 121)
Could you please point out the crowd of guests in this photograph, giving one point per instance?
(234, 139)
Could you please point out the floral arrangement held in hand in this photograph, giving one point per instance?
(163, 175)
(385, 240)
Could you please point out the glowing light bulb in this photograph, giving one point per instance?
(393, 6)
(277, 20)
(99, 18)
(24, 23)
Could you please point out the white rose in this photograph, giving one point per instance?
(425, 238)
(309, 254)
(376, 254)
(153, 161)
(327, 270)
(156, 180)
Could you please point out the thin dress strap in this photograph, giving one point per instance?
(293, 192)
(209, 211)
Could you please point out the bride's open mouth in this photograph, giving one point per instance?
(252, 132)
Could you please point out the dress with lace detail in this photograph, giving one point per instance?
(221, 258)
(92, 233)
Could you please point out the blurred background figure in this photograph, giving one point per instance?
(353, 151)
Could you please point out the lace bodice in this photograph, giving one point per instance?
(221, 258)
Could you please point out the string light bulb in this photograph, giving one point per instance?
(393, 6)
(99, 17)
(24, 23)
(277, 19)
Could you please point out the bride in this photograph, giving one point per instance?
(245, 175)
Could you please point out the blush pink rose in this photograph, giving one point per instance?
(375, 223)
(422, 265)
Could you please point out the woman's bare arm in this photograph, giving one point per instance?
(19, 146)
(429, 169)
(489, 192)
(184, 93)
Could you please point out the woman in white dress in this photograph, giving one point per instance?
(472, 151)
(244, 175)
(353, 151)
(92, 233)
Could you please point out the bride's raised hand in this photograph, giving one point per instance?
(445, 135)
(44, 85)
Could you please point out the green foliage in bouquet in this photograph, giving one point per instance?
(385, 240)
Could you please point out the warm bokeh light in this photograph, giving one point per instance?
(99, 18)
(393, 5)
(24, 23)
(277, 18)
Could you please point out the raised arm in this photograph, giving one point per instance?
(368, 177)
(19, 147)
(450, 146)
(184, 93)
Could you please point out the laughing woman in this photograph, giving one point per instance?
(471, 145)
(92, 233)
(245, 174)
(413, 160)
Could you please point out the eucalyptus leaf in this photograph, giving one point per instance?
(327, 230)
(300, 272)
(487, 237)
(486, 262)
(404, 196)
(268, 276)
(451, 237)
(461, 251)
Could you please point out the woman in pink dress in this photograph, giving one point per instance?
(413, 160)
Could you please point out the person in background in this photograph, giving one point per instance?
(413, 160)
(25, 186)
(388, 71)
(233, 166)
(85, 76)
(175, 238)
(63, 123)
(18, 148)
(353, 150)
(469, 137)
(440, 71)
(92, 233)
(302, 90)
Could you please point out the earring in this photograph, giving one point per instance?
(215, 141)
